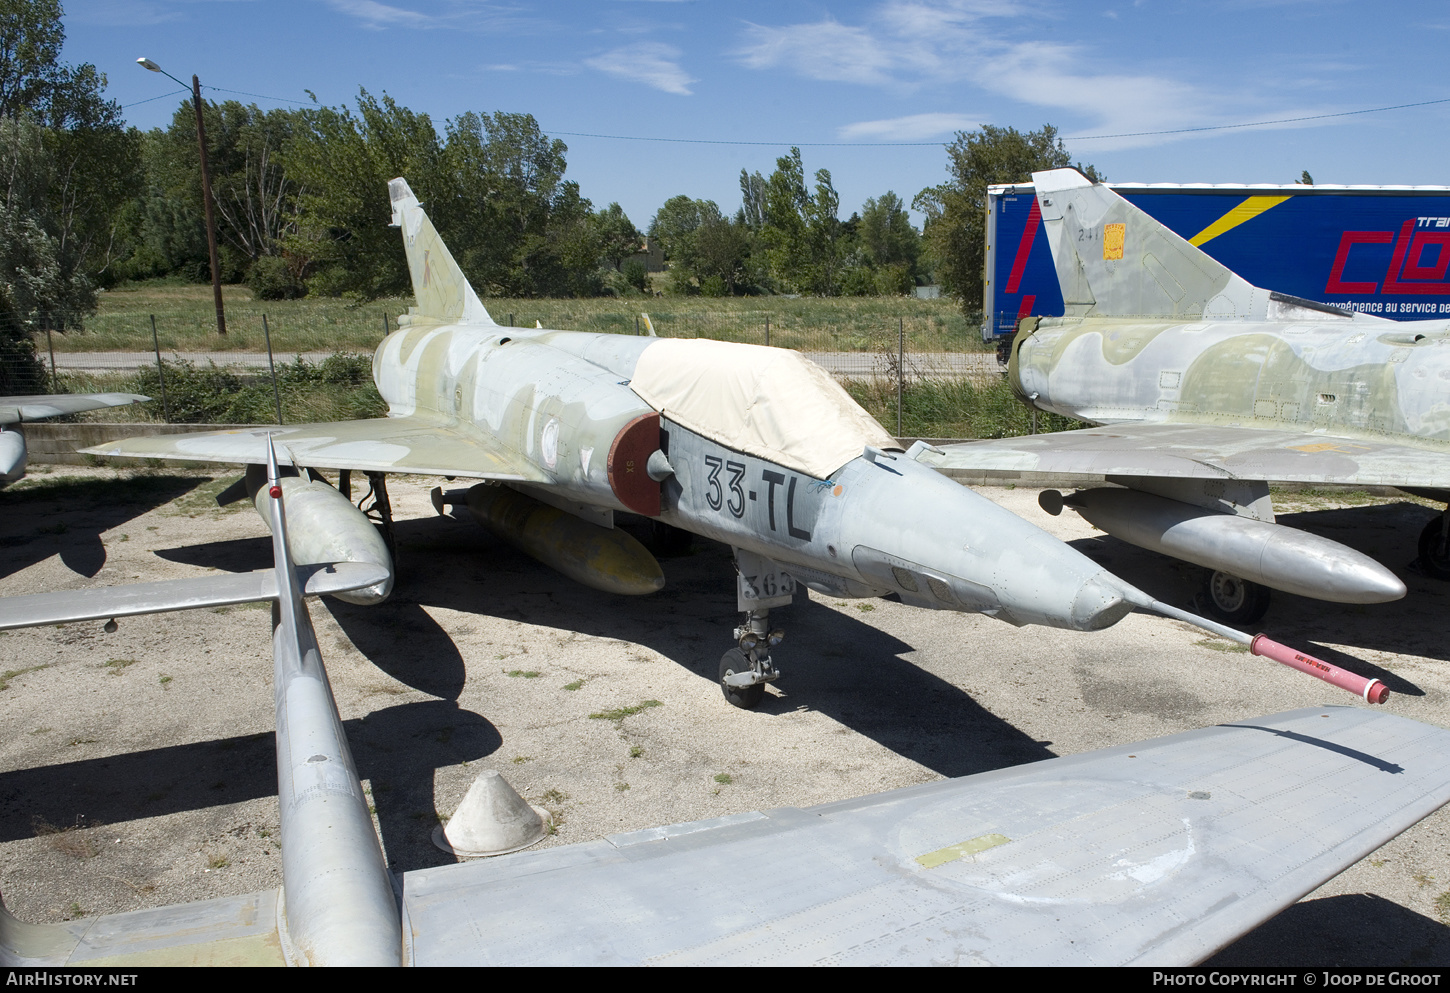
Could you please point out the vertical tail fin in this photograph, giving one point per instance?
(440, 287)
(1113, 260)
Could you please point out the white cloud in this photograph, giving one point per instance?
(910, 44)
(648, 62)
(380, 15)
(121, 13)
(825, 50)
(916, 127)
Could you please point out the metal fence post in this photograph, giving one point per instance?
(511, 320)
(276, 394)
(386, 330)
(636, 325)
(900, 370)
(160, 371)
(54, 382)
(767, 331)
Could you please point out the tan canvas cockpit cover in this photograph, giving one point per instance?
(768, 402)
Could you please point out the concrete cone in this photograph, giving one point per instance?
(492, 820)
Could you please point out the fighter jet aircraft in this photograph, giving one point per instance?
(1205, 388)
(1152, 853)
(752, 446)
(15, 410)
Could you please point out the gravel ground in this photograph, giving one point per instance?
(136, 768)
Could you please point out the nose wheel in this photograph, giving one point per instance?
(745, 669)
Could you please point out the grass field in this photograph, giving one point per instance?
(186, 321)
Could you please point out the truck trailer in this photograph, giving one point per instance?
(1383, 250)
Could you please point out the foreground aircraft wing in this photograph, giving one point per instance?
(1206, 452)
(384, 444)
(110, 602)
(1156, 853)
(36, 408)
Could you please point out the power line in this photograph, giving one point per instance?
(218, 89)
(922, 144)
(163, 96)
(1257, 124)
(259, 96)
(886, 144)
(778, 144)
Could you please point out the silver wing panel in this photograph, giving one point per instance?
(37, 408)
(1155, 853)
(94, 604)
(1207, 452)
(384, 444)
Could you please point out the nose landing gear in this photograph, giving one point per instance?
(745, 669)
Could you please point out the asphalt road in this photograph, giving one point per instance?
(136, 768)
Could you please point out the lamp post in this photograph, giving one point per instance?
(216, 278)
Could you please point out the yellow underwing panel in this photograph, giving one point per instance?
(961, 849)
(1113, 240)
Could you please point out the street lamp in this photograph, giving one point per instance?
(216, 277)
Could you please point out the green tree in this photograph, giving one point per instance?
(752, 200)
(31, 35)
(675, 223)
(254, 197)
(523, 228)
(342, 162)
(618, 237)
(708, 252)
(785, 232)
(68, 165)
(825, 244)
(886, 234)
(956, 210)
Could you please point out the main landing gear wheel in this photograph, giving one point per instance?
(1234, 600)
(745, 697)
(1435, 548)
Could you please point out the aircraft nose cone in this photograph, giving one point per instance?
(1099, 604)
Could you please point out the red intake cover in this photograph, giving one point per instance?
(632, 447)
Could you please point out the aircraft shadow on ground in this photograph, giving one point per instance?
(1387, 533)
(833, 663)
(396, 750)
(68, 516)
(1353, 930)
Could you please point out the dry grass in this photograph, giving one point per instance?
(72, 841)
(186, 321)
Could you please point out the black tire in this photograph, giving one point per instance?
(744, 697)
(666, 540)
(1233, 600)
(1435, 550)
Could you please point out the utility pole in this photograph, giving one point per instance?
(216, 272)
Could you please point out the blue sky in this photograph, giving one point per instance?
(824, 72)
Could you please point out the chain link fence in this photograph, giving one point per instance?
(922, 371)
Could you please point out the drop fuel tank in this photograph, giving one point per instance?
(1261, 552)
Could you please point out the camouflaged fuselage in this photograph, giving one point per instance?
(1340, 376)
(557, 398)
